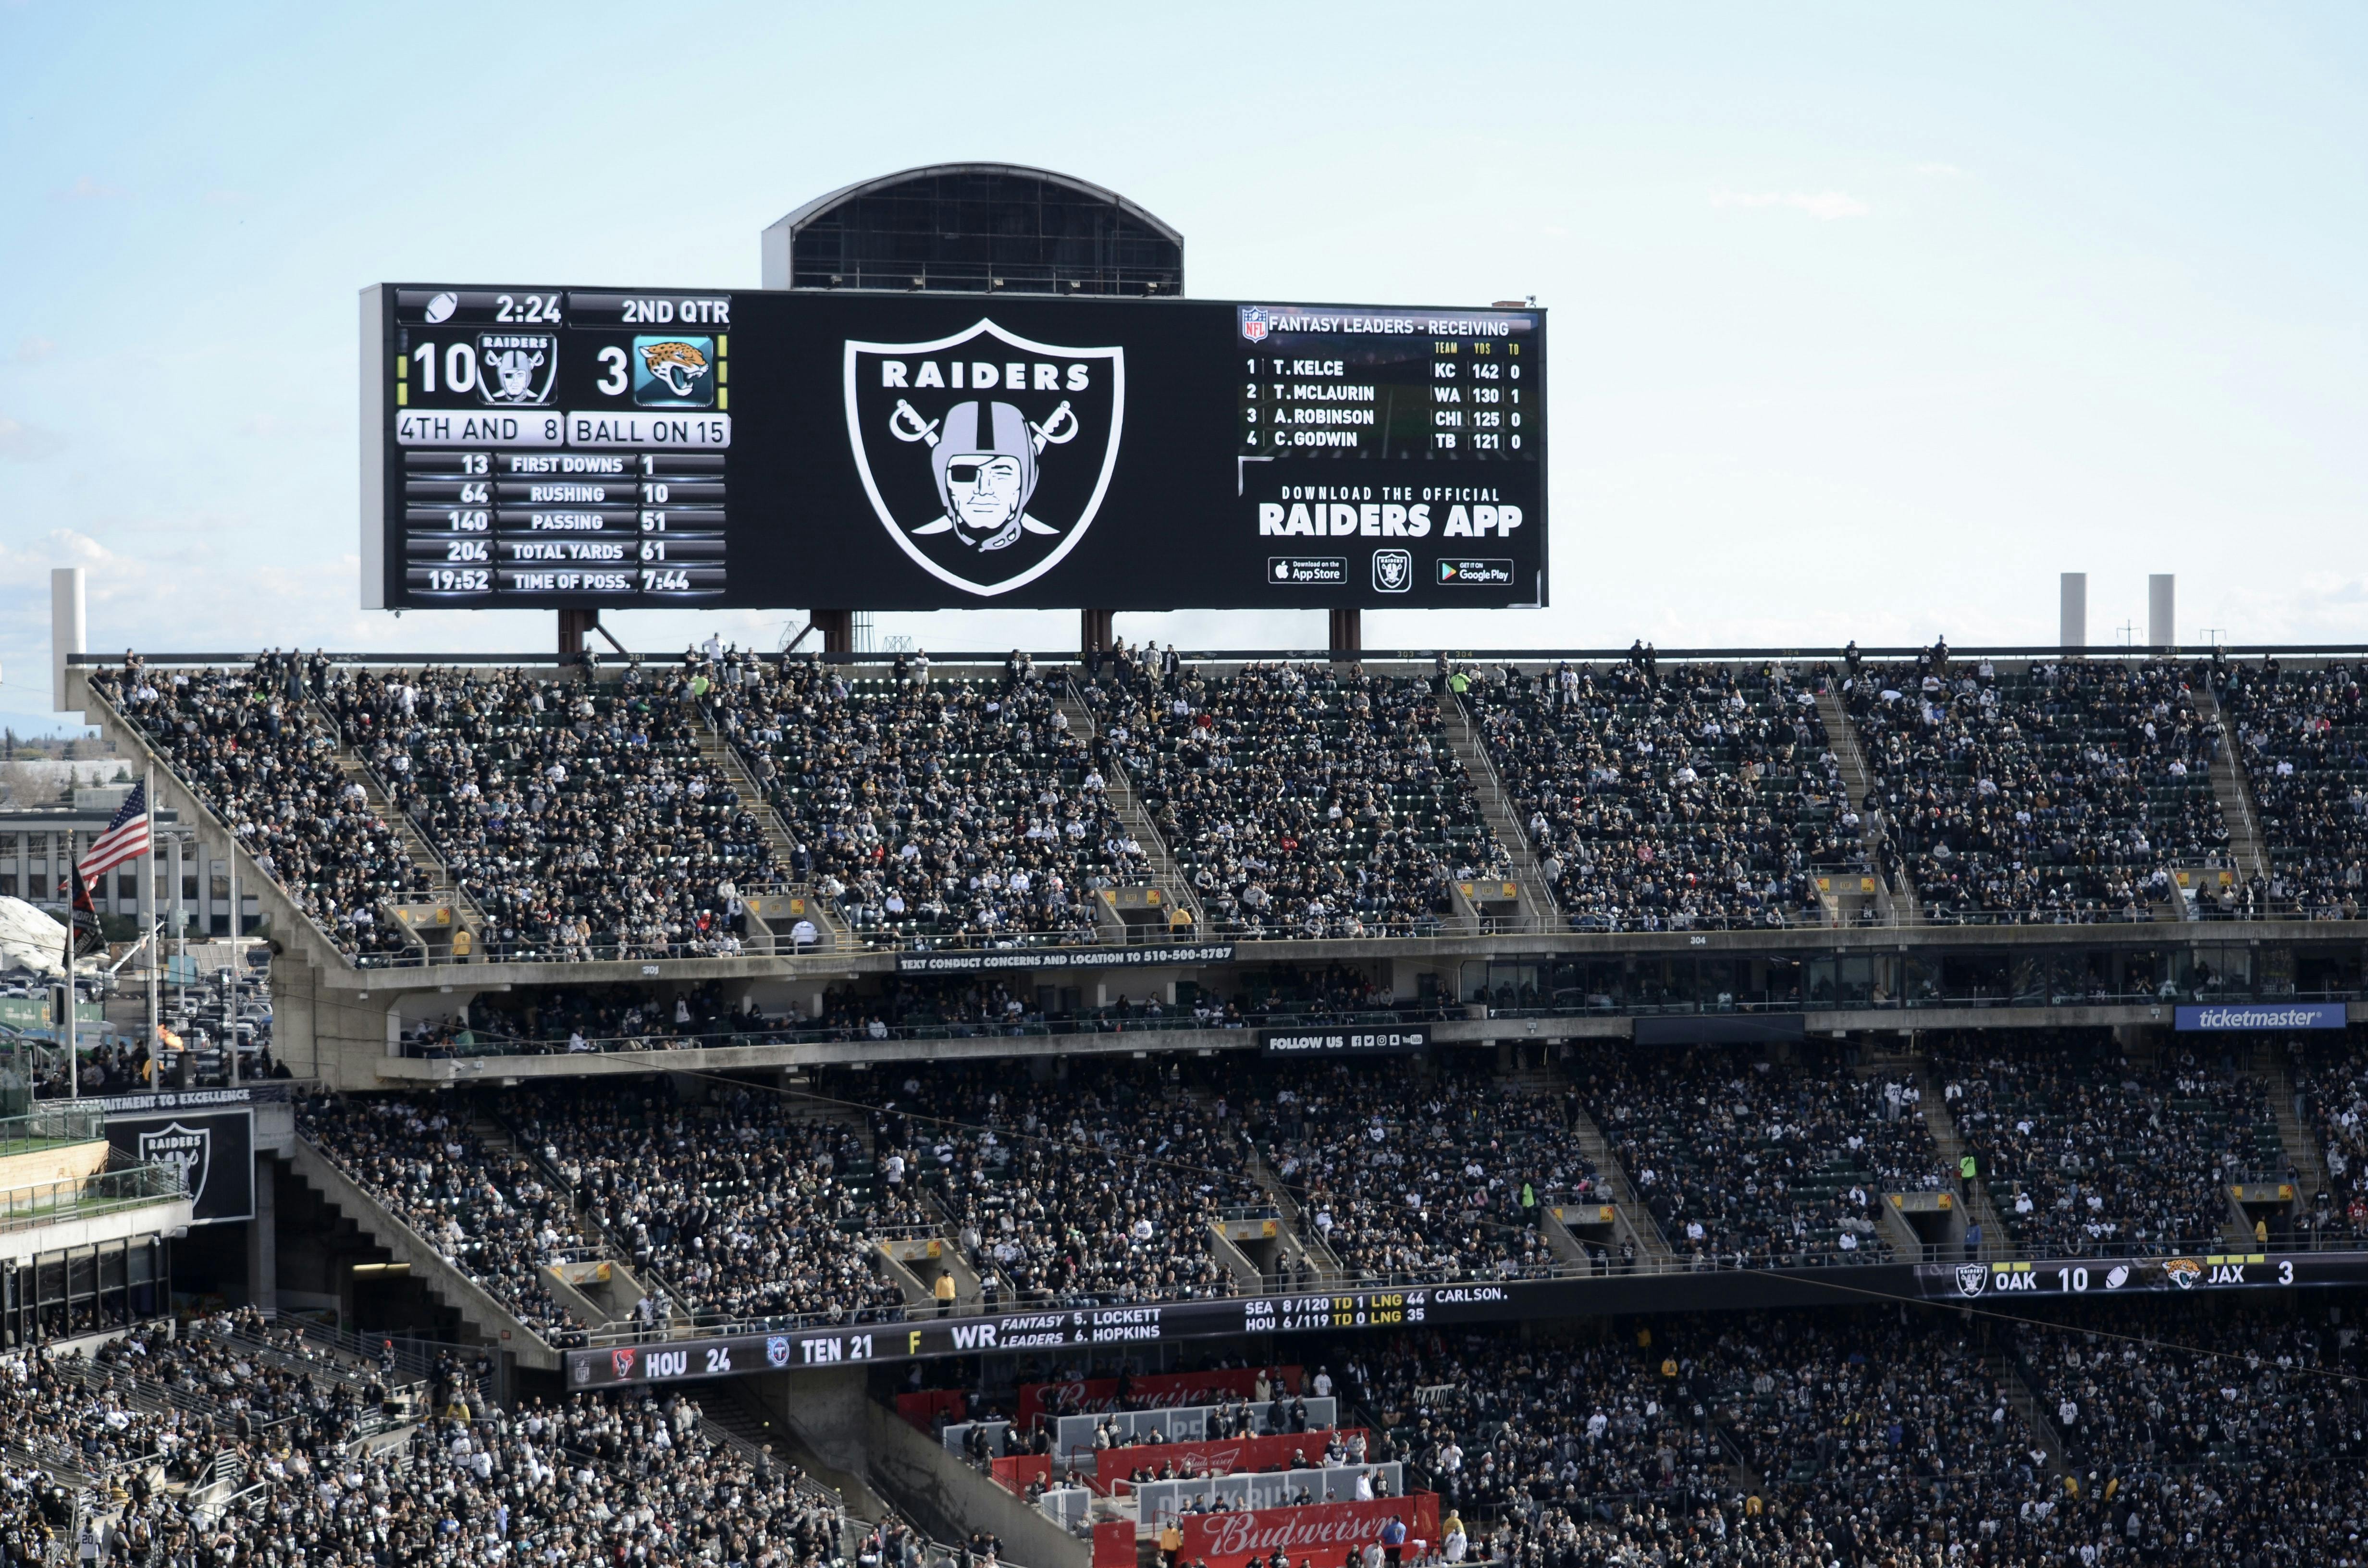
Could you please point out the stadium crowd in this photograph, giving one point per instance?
(744, 1212)
(2061, 793)
(1754, 1164)
(2331, 1098)
(487, 1214)
(1298, 800)
(595, 1479)
(581, 816)
(2303, 741)
(2086, 1153)
(253, 746)
(1406, 1182)
(1705, 798)
(962, 811)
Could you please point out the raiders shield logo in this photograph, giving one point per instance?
(186, 1151)
(1971, 1277)
(516, 370)
(986, 455)
(1393, 571)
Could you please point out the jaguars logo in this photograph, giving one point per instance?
(2183, 1272)
(674, 373)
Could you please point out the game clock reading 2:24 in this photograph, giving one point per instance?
(551, 446)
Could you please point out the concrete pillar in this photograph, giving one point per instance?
(1093, 631)
(837, 628)
(2162, 629)
(263, 1238)
(1347, 633)
(66, 629)
(2073, 619)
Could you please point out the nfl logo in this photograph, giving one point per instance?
(1254, 324)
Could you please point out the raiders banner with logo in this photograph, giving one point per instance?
(549, 446)
(213, 1151)
(1062, 1331)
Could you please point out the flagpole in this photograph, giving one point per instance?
(155, 939)
(74, 884)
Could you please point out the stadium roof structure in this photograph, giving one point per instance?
(976, 228)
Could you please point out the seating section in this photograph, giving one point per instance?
(2163, 1390)
(581, 816)
(953, 811)
(746, 1213)
(2302, 737)
(2064, 792)
(489, 1215)
(1409, 1183)
(1304, 800)
(1705, 798)
(250, 744)
(1098, 1189)
(607, 1479)
(2332, 1092)
(2087, 1152)
(1756, 1165)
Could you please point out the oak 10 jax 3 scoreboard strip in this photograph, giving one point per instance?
(550, 447)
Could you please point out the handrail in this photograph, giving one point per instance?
(49, 1202)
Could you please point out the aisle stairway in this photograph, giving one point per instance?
(1896, 904)
(1539, 909)
(2235, 793)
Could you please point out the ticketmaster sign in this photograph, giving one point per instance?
(2222, 1016)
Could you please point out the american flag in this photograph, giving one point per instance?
(126, 837)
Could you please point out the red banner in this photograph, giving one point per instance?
(1322, 1533)
(1219, 1455)
(1017, 1471)
(1154, 1392)
(1114, 1544)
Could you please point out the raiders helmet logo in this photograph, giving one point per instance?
(986, 455)
(186, 1151)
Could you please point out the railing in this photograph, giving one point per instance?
(52, 1123)
(79, 1197)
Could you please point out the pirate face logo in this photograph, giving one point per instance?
(986, 455)
(517, 368)
(186, 1151)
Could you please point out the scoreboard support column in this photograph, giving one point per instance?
(1348, 634)
(1095, 633)
(837, 628)
(575, 626)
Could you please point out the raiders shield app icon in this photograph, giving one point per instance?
(986, 455)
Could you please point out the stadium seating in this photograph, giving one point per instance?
(2302, 737)
(2059, 792)
(1703, 798)
(953, 810)
(1754, 1165)
(1304, 800)
(164, 1473)
(2331, 1092)
(488, 1215)
(252, 747)
(581, 816)
(2087, 1152)
(746, 1214)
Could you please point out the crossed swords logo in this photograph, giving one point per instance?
(907, 425)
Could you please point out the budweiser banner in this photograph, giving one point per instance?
(1080, 1396)
(1216, 1456)
(1321, 1533)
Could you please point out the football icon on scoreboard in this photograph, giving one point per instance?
(516, 369)
(986, 455)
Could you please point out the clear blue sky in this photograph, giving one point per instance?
(1869, 320)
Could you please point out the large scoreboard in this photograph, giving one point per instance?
(548, 446)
